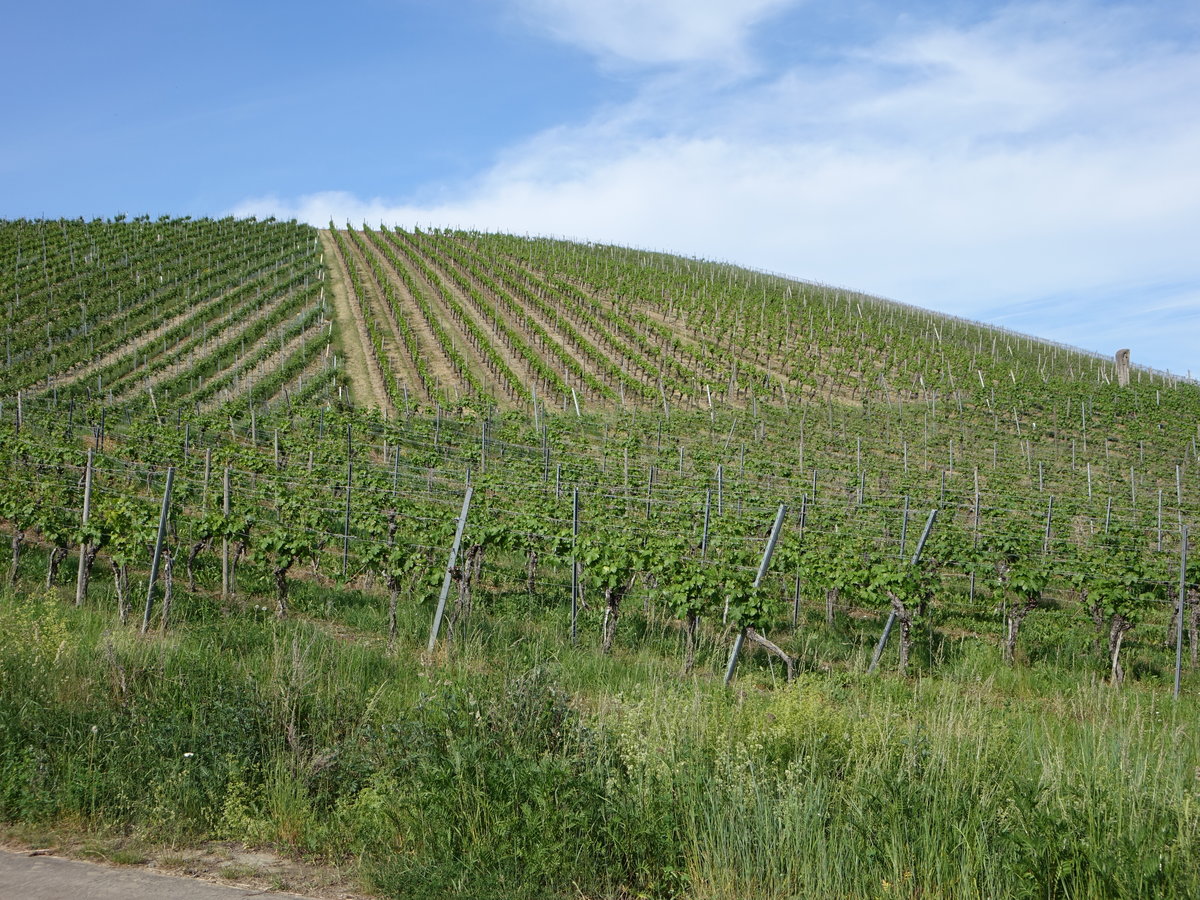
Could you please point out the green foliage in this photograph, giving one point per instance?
(1121, 581)
(500, 779)
(608, 776)
(499, 790)
(128, 526)
(1027, 578)
(897, 579)
(610, 560)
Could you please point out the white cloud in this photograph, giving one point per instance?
(652, 32)
(966, 170)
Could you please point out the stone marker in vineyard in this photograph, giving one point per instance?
(1123, 368)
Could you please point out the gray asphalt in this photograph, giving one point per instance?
(25, 877)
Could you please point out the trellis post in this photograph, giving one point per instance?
(225, 579)
(762, 571)
(163, 514)
(574, 566)
(81, 578)
(891, 619)
(1183, 551)
(441, 604)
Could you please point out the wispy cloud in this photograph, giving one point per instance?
(967, 169)
(653, 33)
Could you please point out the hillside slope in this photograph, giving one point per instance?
(290, 430)
(467, 313)
(627, 368)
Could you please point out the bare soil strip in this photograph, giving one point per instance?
(613, 344)
(454, 331)
(360, 368)
(517, 363)
(398, 356)
(223, 337)
(297, 384)
(444, 265)
(247, 380)
(74, 376)
(435, 357)
(780, 369)
(616, 344)
(460, 340)
(697, 348)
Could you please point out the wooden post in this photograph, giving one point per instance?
(441, 604)
(81, 578)
(158, 546)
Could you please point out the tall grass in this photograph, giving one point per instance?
(516, 766)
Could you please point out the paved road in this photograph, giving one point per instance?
(52, 878)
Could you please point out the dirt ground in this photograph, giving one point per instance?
(219, 862)
(364, 377)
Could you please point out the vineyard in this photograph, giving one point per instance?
(604, 555)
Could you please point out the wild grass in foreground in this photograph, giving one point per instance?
(517, 766)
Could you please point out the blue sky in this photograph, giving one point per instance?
(1030, 164)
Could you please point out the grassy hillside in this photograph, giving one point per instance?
(628, 426)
